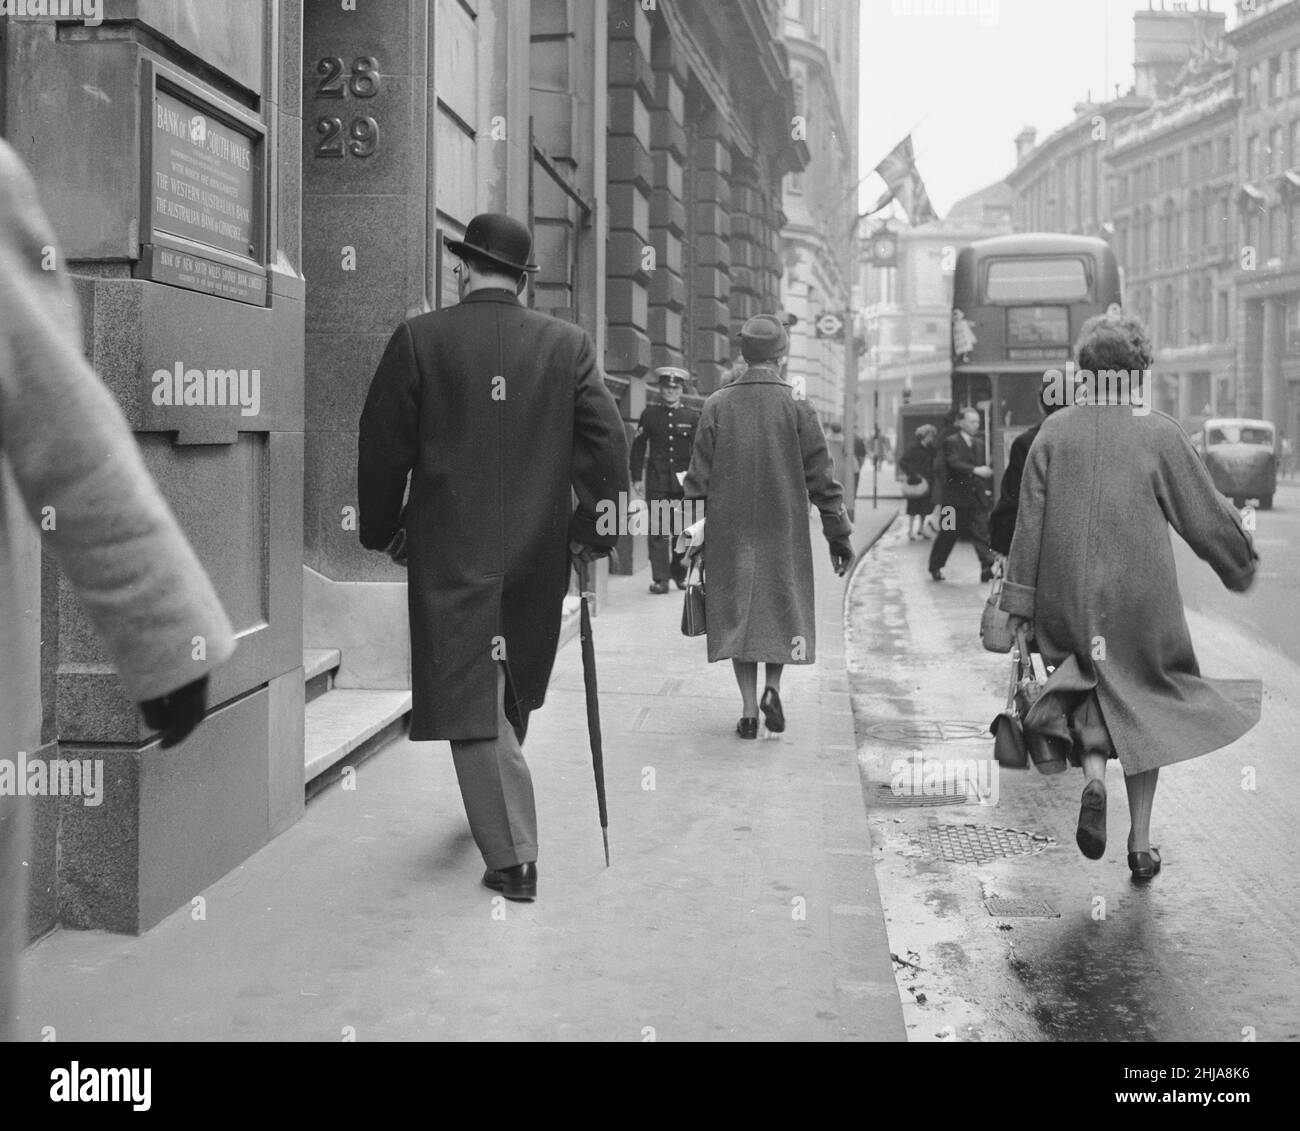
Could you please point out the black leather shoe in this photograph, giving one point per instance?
(680, 582)
(659, 587)
(518, 883)
(936, 574)
(747, 728)
(986, 575)
(773, 715)
(1144, 865)
(1091, 834)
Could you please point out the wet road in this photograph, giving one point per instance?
(1210, 950)
(1271, 610)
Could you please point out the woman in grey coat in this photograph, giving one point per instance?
(760, 455)
(1091, 572)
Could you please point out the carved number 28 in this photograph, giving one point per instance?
(362, 133)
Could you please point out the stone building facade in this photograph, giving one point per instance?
(819, 259)
(645, 142)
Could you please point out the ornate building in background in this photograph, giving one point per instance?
(818, 257)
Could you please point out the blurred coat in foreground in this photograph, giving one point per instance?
(68, 461)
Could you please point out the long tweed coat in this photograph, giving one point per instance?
(498, 413)
(760, 456)
(68, 460)
(1091, 562)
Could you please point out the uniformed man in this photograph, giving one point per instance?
(669, 430)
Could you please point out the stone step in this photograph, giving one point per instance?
(348, 724)
(319, 666)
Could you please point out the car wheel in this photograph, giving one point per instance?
(1266, 502)
(1238, 501)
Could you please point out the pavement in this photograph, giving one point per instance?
(1000, 928)
(741, 902)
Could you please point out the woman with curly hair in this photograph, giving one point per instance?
(1091, 574)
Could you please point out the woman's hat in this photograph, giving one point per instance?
(763, 338)
(496, 239)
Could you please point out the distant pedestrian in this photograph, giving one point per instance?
(495, 413)
(916, 467)
(667, 429)
(965, 488)
(1092, 575)
(67, 455)
(1002, 521)
(760, 457)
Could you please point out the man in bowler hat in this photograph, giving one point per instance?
(668, 430)
(497, 414)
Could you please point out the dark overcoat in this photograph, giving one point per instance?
(959, 486)
(917, 464)
(1002, 522)
(760, 456)
(498, 413)
(1091, 562)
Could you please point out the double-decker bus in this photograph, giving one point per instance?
(1018, 304)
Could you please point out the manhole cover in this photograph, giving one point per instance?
(1021, 908)
(978, 844)
(910, 732)
(951, 795)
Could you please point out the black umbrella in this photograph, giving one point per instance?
(593, 702)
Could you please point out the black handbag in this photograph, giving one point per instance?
(1007, 729)
(693, 622)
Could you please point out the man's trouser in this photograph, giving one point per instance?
(665, 519)
(14, 814)
(498, 792)
(971, 521)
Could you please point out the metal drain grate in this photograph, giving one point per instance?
(886, 796)
(978, 844)
(911, 732)
(1021, 908)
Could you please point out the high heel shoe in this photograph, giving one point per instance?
(747, 728)
(773, 713)
(1144, 865)
(1091, 834)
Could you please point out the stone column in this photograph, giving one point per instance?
(667, 212)
(1272, 398)
(710, 202)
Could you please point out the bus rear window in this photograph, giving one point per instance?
(1036, 280)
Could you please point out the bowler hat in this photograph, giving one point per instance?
(496, 239)
(763, 338)
(671, 375)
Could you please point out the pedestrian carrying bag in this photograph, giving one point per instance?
(995, 623)
(693, 606)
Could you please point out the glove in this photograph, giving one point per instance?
(580, 552)
(177, 714)
(841, 555)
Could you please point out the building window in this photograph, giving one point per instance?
(1222, 322)
(1225, 153)
(1252, 157)
(1295, 69)
(1295, 144)
(1276, 233)
(1275, 89)
(1293, 227)
(1252, 85)
(1275, 156)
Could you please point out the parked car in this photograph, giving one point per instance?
(1241, 456)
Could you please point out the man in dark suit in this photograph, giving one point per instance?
(966, 480)
(668, 429)
(497, 413)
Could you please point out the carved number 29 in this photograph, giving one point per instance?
(363, 137)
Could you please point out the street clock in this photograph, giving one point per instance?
(884, 250)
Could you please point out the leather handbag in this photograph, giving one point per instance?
(995, 624)
(693, 622)
(1007, 730)
(1049, 752)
